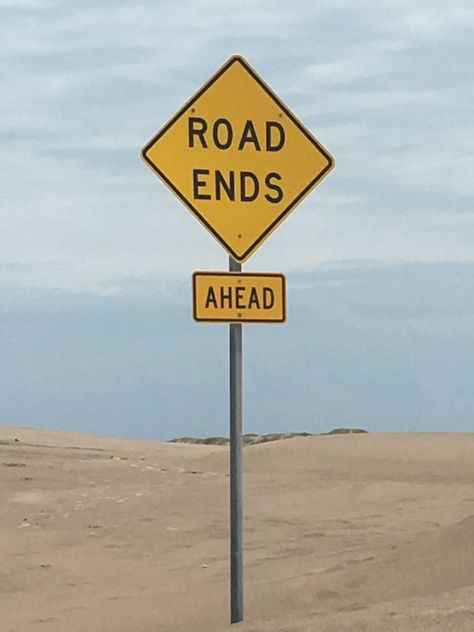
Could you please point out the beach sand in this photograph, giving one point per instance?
(365, 532)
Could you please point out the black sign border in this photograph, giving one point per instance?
(239, 59)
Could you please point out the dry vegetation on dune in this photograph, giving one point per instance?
(253, 438)
(359, 532)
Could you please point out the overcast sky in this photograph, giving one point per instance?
(96, 255)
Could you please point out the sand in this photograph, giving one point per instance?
(371, 532)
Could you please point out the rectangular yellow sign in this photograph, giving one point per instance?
(239, 297)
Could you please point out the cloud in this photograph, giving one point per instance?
(386, 89)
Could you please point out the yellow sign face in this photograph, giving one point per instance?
(237, 158)
(239, 297)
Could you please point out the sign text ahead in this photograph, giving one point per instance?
(239, 297)
(238, 158)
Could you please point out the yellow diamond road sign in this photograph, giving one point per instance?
(238, 158)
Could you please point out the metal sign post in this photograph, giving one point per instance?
(236, 517)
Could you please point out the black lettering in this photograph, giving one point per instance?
(269, 125)
(194, 131)
(253, 300)
(268, 298)
(239, 295)
(229, 187)
(226, 297)
(274, 187)
(249, 135)
(245, 196)
(211, 298)
(197, 184)
(215, 133)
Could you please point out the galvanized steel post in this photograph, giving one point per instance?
(236, 514)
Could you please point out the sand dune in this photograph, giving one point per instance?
(363, 532)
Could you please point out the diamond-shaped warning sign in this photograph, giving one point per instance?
(238, 158)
